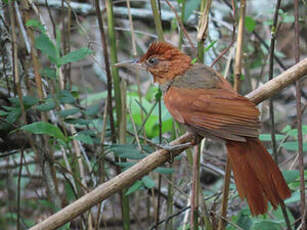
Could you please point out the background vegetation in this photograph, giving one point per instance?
(69, 120)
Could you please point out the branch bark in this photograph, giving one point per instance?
(159, 157)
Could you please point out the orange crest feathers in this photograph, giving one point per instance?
(161, 49)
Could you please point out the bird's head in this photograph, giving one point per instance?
(163, 61)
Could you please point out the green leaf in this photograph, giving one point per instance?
(267, 137)
(293, 132)
(48, 105)
(87, 139)
(250, 24)
(68, 112)
(27, 101)
(267, 225)
(295, 196)
(92, 110)
(288, 19)
(35, 24)
(48, 72)
(244, 221)
(158, 94)
(293, 146)
(76, 55)
(194, 60)
(3, 113)
(94, 98)
(209, 46)
(148, 182)
(190, 7)
(13, 115)
(43, 43)
(165, 171)
(42, 127)
(290, 175)
(46, 203)
(132, 155)
(286, 129)
(136, 186)
(9, 108)
(125, 164)
(127, 151)
(70, 196)
(65, 97)
(58, 39)
(78, 121)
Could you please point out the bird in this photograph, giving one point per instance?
(202, 100)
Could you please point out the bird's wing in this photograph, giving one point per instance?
(215, 112)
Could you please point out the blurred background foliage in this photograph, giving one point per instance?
(57, 137)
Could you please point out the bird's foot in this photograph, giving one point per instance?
(172, 148)
(196, 139)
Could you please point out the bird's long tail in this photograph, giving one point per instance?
(257, 177)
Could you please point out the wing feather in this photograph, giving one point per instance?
(219, 112)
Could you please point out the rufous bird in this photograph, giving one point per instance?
(202, 100)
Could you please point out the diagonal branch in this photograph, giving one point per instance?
(159, 157)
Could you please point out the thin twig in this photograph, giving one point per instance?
(227, 48)
(51, 19)
(222, 222)
(157, 20)
(18, 189)
(239, 50)
(168, 218)
(271, 103)
(195, 189)
(107, 68)
(147, 116)
(271, 64)
(299, 120)
(113, 58)
(181, 24)
(200, 43)
(237, 71)
(262, 41)
(182, 18)
(203, 21)
(232, 6)
(134, 130)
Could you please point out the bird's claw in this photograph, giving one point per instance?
(172, 148)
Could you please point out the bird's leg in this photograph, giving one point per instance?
(171, 148)
(196, 139)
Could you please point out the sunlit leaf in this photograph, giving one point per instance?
(42, 127)
(148, 182)
(250, 23)
(136, 186)
(43, 43)
(76, 55)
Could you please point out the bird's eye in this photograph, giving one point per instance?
(152, 61)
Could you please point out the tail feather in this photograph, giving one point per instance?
(257, 177)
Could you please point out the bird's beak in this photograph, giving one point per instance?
(135, 63)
